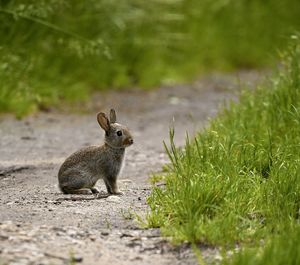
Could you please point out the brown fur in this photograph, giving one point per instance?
(81, 170)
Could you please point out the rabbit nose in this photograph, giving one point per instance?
(131, 141)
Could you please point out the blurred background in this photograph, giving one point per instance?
(55, 51)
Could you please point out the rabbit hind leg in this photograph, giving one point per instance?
(75, 191)
(74, 187)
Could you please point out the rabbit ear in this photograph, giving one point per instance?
(103, 121)
(112, 116)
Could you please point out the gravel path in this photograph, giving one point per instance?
(40, 225)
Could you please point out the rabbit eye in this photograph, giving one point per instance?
(119, 133)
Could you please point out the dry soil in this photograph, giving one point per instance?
(40, 225)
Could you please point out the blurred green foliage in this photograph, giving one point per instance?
(58, 50)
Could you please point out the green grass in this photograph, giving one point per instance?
(53, 51)
(283, 249)
(238, 181)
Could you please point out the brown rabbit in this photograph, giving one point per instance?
(84, 168)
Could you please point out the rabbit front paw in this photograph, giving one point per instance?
(94, 190)
(118, 193)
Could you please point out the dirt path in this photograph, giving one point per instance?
(39, 225)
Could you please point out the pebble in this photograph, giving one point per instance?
(218, 257)
(104, 233)
(77, 258)
(114, 199)
(126, 180)
(174, 100)
(71, 233)
(92, 237)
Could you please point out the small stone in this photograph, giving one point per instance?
(3, 237)
(71, 233)
(136, 258)
(92, 237)
(24, 238)
(77, 258)
(104, 233)
(27, 138)
(218, 257)
(126, 180)
(114, 199)
(174, 100)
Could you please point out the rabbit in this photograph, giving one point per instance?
(80, 171)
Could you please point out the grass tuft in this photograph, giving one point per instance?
(283, 249)
(238, 180)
